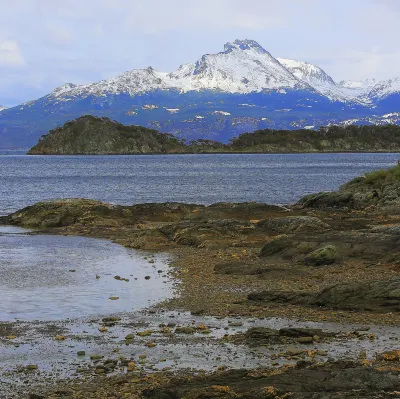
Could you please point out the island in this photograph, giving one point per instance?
(90, 135)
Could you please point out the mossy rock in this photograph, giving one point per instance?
(275, 246)
(325, 255)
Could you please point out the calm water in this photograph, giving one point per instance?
(37, 282)
(203, 179)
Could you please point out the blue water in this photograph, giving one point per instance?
(271, 178)
(37, 282)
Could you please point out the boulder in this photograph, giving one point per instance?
(275, 246)
(293, 224)
(376, 296)
(325, 255)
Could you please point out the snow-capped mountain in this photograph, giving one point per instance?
(2, 108)
(241, 88)
(322, 82)
(243, 67)
(384, 88)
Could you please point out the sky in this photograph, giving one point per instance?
(46, 43)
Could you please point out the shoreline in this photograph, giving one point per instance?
(220, 153)
(239, 267)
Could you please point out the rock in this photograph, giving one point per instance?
(238, 268)
(366, 296)
(260, 335)
(147, 277)
(295, 351)
(114, 298)
(32, 367)
(305, 340)
(379, 188)
(130, 337)
(196, 232)
(395, 294)
(293, 224)
(297, 332)
(145, 333)
(275, 246)
(81, 353)
(96, 357)
(325, 255)
(100, 371)
(235, 323)
(185, 330)
(60, 338)
(111, 319)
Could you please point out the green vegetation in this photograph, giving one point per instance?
(92, 135)
(378, 177)
(326, 139)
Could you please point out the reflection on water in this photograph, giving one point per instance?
(57, 277)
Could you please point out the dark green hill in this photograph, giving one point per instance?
(92, 135)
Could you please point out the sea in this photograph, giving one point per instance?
(202, 179)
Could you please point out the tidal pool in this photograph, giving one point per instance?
(48, 277)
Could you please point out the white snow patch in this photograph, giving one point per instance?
(172, 110)
(222, 113)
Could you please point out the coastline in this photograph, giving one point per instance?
(244, 263)
(225, 152)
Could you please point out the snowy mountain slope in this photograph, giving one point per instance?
(243, 67)
(307, 72)
(2, 108)
(384, 89)
(324, 84)
(365, 85)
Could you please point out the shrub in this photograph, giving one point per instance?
(382, 175)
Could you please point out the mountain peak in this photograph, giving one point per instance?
(63, 89)
(244, 45)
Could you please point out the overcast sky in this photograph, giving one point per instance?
(46, 43)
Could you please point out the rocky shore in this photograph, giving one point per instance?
(330, 258)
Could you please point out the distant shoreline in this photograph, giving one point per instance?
(218, 153)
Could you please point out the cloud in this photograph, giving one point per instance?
(45, 43)
(10, 54)
(59, 34)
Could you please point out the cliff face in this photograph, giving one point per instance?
(92, 135)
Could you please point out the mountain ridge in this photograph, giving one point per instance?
(208, 73)
(240, 89)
